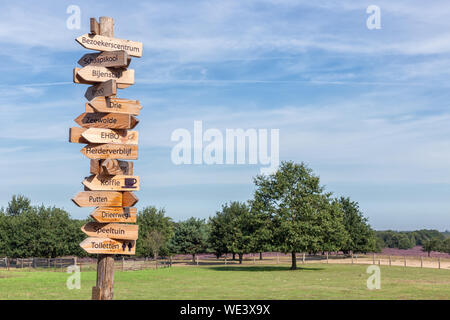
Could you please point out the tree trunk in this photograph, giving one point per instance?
(240, 257)
(234, 256)
(193, 258)
(260, 256)
(294, 261)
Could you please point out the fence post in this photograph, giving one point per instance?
(303, 258)
(54, 264)
(389, 261)
(225, 259)
(379, 262)
(7, 263)
(21, 263)
(421, 261)
(373, 258)
(439, 262)
(327, 256)
(254, 259)
(404, 257)
(196, 259)
(278, 258)
(123, 263)
(352, 257)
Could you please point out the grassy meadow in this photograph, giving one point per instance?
(324, 281)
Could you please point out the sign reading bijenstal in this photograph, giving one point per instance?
(105, 129)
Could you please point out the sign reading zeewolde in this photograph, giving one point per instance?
(102, 43)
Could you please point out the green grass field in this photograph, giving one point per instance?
(237, 282)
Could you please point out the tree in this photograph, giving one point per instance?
(301, 213)
(361, 236)
(18, 205)
(431, 245)
(190, 237)
(151, 220)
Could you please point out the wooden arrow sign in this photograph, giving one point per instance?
(114, 214)
(103, 89)
(78, 79)
(115, 105)
(112, 183)
(105, 59)
(102, 43)
(111, 167)
(107, 120)
(102, 74)
(129, 199)
(75, 135)
(108, 246)
(99, 135)
(98, 198)
(111, 230)
(110, 151)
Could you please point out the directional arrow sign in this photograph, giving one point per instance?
(117, 105)
(103, 89)
(102, 74)
(99, 198)
(108, 246)
(102, 43)
(114, 214)
(111, 167)
(129, 199)
(98, 135)
(110, 151)
(111, 230)
(113, 183)
(107, 120)
(75, 135)
(105, 59)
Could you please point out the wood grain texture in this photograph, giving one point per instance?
(103, 89)
(111, 230)
(102, 43)
(112, 183)
(106, 120)
(98, 198)
(108, 246)
(101, 135)
(129, 199)
(114, 105)
(111, 167)
(110, 151)
(117, 59)
(114, 214)
(102, 74)
(75, 135)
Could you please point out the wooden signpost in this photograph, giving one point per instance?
(105, 129)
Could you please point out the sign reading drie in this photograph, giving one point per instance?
(102, 43)
(108, 246)
(114, 183)
(116, 105)
(114, 214)
(111, 230)
(110, 151)
(102, 74)
(98, 198)
(103, 89)
(111, 167)
(107, 120)
(98, 135)
(105, 59)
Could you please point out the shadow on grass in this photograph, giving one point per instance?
(263, 268)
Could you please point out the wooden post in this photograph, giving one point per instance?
(254, 259)
(327, 256)
(105, 262)
(123, 263)
(421, 261)
(278, 258)
(105, 278)
(352, 257)
(389, 261)
(404, 258)
(373, 259)
(439, 262)
(225, 259)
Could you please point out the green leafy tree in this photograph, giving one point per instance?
(431, 245)
(156, 230)
(190, 237)
(301, 213)
(18, 205)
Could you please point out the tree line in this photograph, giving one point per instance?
(290, 212)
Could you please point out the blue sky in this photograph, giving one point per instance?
(367, 110)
